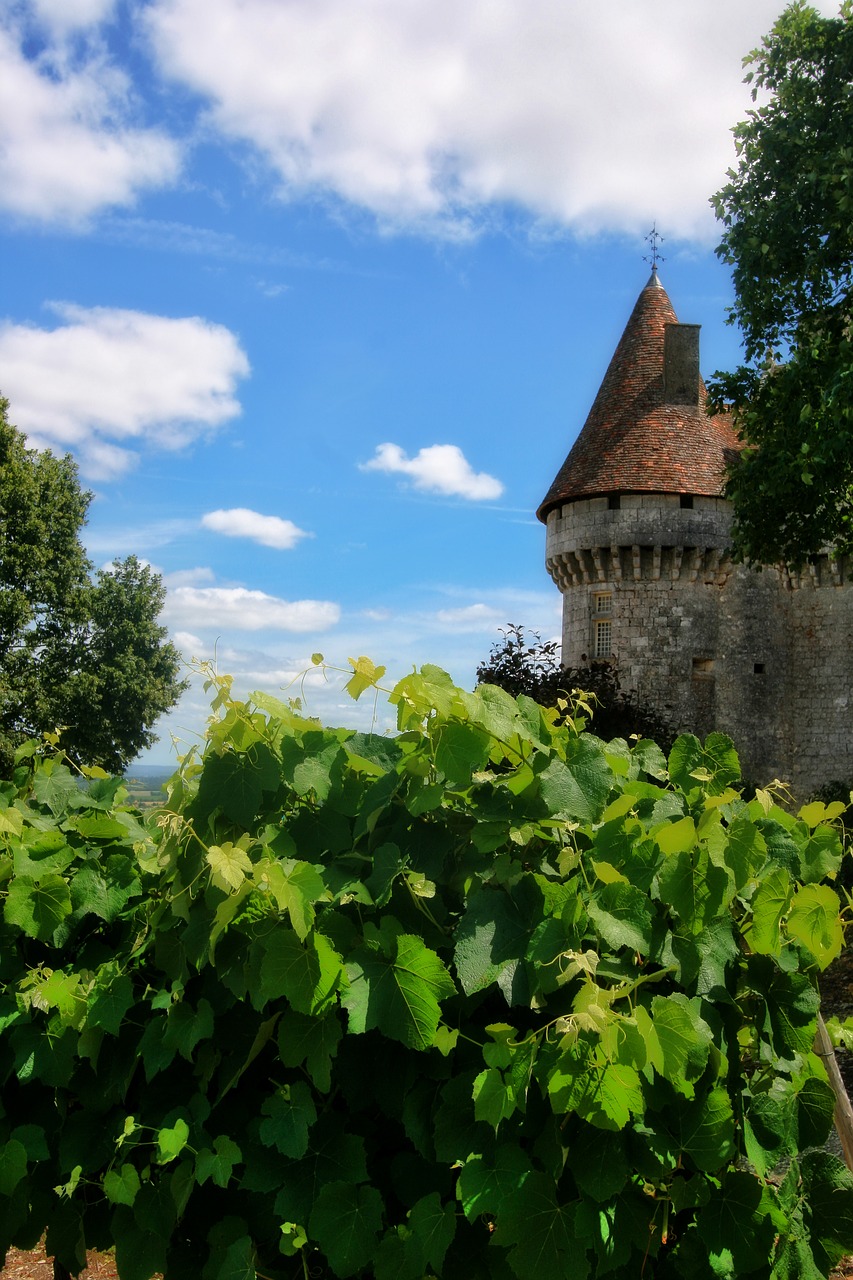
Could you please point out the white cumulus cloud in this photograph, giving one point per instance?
(239, 609)
(190, 645)
(268, 531)
(69, 145)
(472, 617)
(106, 377)
(188, 577)
(439, 468)
(63, 16)
(594, 116)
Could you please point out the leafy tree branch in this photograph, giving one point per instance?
(787, 217)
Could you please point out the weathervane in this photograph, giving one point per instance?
(655, 239)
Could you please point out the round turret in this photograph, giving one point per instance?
(639, 498)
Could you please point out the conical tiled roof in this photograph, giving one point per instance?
(634, 442)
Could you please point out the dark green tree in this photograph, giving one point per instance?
(81, 653)
(520, 665)
(787, 213)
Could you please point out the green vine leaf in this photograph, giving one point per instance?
(218, 1163)
(485, 1183)
(599, 1163)
(13, 1166)
(307, 974)
(235, 782)
(186, 1027)
(346, 1222)
(683, 1039)
(432, 1226)
(290, 1114)
(541, 1233)
(312, 1041)
(105, 891)
(605, 1094)
(171, 1141)
(740, 1217)
(296, 887)
(624, 917)
(37, 907)
(399, 994)
(121, 1185)
(697, 888)
(491, 940)
(489, 955)
(564, 796)
(705, 1130)
(814, 921)
(140, 1254)
(230, 865)
(365, 676)
(231, 1252)
(462, 750)
(769, 906)
(829, 1186)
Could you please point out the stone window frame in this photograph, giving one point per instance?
(602, 624)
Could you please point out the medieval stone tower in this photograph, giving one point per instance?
(637, 542)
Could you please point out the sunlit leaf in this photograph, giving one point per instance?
(230, 865)
(171, 1141)
(769, 906)
(814, 919)
(365, 675)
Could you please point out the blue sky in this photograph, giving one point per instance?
(319, 293)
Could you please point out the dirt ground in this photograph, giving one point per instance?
(35, 1266)
(837, 999)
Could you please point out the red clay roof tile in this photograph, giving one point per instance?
(632, 441)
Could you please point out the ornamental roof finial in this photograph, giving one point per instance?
(655, 240)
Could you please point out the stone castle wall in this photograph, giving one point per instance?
(760, 655)
(820, 706)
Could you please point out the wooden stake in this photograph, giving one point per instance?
(843, 1114)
